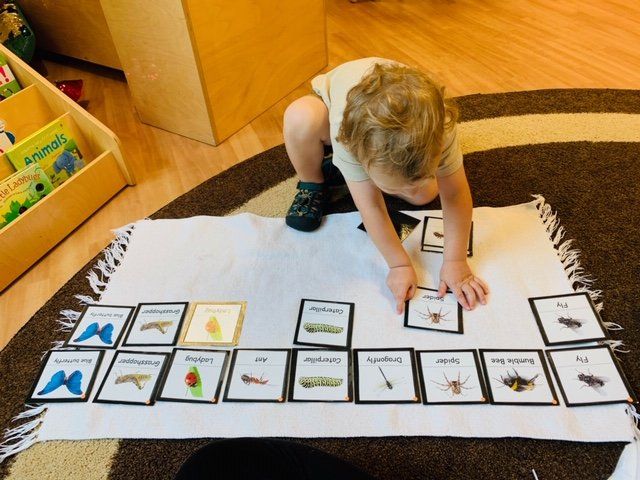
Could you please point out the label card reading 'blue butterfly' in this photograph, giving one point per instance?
(100, 326)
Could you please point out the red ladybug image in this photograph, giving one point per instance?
(191, 379)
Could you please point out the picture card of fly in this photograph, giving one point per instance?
(517, 377)
(133, 378)
(156, 324)
(427, 311)
(99, 326)
(257, 376)
(66, 376)
(433, 236)
(404, 224)
(590, 376)
(451, 376)
(324, 323)
(215, 323)
(385, 376)
(565, 319)
(320, 376)
(194, 376)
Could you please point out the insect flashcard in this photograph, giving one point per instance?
(428, 311)
(385, 376)
(100, 326)
(323, 323)
(257, 375)
(320, 376)
(156, 324)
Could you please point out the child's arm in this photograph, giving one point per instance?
(401, 279)
(457, 210)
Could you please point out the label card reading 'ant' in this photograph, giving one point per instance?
(570, 318)
(320, 376)
(156, 324)
(99, 326)
(452, 376)
(517, 377)
(385, 376)
(590, 376)
(433, 236)
(323, 323)
(257, 376)
(429, 312)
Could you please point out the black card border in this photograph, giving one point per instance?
(294, 366)
(125, 326)
(285, 379)
(352, 307)
(424, 245)
(173, 343)
(460, 330)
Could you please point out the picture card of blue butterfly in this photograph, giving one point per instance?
(66, 376)
(100, 326)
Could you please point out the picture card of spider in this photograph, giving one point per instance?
(427, 311)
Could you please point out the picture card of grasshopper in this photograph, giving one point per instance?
(324, 323)
(385, 376)
(194, 376)
(517, 377)
(569, 318)
(99, 326)
(320, 376)
(258, 376)
(427, 311)
(216, 323)
(450, 376)
(156, 324)
(590, 376)
(66, 376)
(402, 223)
(132, 378)
(433, 236)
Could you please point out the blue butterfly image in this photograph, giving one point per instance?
(72, 382)
(94, 329)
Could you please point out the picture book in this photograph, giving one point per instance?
(8, 83)
(21, 191)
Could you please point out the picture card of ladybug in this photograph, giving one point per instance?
(324, 323)
(320, 376)
(517, 377)
(433, 236)
(427, 311)
(66, 376)
(100, 326)
(213, 323)
(258, 376)
(133, 378)
(590, 376)
(402, 223)
(566, 319)
(155, 324)
(194, 376)
(450, 376)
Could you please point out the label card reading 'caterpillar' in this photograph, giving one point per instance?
(385, 376)
(433, 236)
(320, 376)
(324, 323)
(155, 324)
(257, 376)
(427, 311)
(217, 323)
(99, 326)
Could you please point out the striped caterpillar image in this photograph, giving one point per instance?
(311, 382)
(321, 328)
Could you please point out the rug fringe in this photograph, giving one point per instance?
(24, 435)
(101, 272)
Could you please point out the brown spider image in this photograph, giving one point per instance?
(455, 386)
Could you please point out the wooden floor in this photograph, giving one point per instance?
(472, 46)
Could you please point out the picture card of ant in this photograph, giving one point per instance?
(570, 318)
(66, 376)
(132, 378)
(324, 323)
(156, 324)
(402, 223)
(99, 326)
(257, 376)
(320, 376)
(517, 377)
(217, 323)
(385, 376)
(590, 376)
(433, 236)
(194, 376)
(451, 376)
(427, 311)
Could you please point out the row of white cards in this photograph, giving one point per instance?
(585, 376)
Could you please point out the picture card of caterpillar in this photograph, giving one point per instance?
(450, 376)
(427, 311)
(156, 324)
(433, 236)
(258, 376)
(132, 378)
(99, 326)
(590, 376)
(324, 323)
(218, 323)
(385, 376)
(194, 376)
(569, 318)
(66, 376)
(320, 376)
(404, 224)
(517, 377)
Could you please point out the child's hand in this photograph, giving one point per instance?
(402, 281)
(457, 276)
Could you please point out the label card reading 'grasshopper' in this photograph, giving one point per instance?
(320, 376)
(213, 323)
(427, 311)
(324, 323)
(257, 376)
(99, 326)
(156, 324)
(385, 376)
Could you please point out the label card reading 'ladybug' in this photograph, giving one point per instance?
(218, 323)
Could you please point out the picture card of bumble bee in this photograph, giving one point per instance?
(385, 376)
(324, 323)
(565, 319)
(99, 326)
(517, 377)
(427, 311)
(156, 324)
(590, 376)
(132, 378)
(320, 376)
(218, 323)
(257, 376)
(433, 236)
